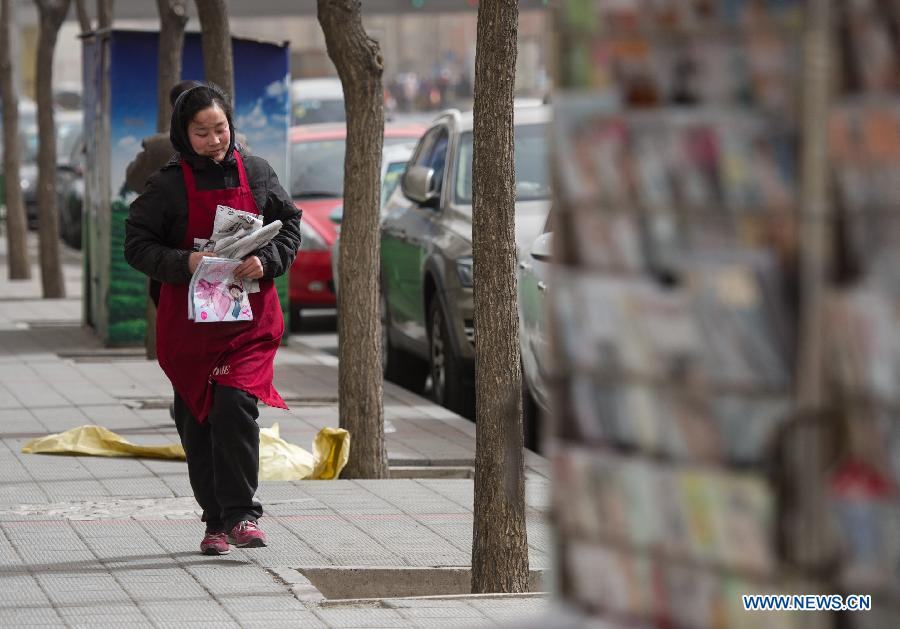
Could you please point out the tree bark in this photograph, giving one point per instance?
(84, 20)
(16, 228)
(215, 33)
(104, 14)
(500, 543)
(172, 20)
(358, 60)
(51, 15)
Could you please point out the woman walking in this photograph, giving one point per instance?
(219, 370)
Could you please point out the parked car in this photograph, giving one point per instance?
(314, 101)
(534, 344)
(426, 253)
(68, 128)
(317, 186)
(70, 187)
(393, 163)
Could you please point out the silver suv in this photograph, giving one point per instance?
(426, 252)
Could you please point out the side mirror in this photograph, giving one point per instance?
(542, 248)
(418, 185)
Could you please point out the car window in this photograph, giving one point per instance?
(67, 136)
(439, 158)
(391, 179)
(532, 173)
(317, 168)
(30, 144)
(312, 110)
(423, 153)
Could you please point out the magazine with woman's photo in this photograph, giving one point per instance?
(215, 295)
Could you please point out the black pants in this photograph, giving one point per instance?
(223, 457)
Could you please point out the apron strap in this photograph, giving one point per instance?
(242, 174)
(190, 183)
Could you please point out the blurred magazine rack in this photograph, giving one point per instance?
(688, 471)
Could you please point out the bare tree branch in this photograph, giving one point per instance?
(173, 18)
(84, 20)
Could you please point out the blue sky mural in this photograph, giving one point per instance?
(261, 107)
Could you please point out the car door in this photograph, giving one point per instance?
(405, 234)
(534, 271)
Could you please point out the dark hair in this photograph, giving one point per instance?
(188, 103)
(181, 86)
(199, 98)
(231, 287)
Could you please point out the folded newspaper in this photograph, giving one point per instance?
(237, 234)
(214, 294)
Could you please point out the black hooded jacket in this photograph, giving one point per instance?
(158, 218)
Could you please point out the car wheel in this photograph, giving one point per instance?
(447, 381)
(399, 367)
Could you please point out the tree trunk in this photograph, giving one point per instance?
(358, 60)
(172, 20)
(499, 544)
(104, 14)
(216, 38)
(84, 20)
(51, 15)
(16, 228)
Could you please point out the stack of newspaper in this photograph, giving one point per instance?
(214, 293)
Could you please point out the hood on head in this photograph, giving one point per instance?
(178, 131)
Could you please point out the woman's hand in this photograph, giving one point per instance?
(250, 269)
(196, 256)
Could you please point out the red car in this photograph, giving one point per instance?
(317, 186)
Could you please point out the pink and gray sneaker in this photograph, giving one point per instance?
(215, 544)
(247, 535)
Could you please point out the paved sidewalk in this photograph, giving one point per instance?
(91, 541)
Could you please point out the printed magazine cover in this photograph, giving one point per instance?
(215, 295)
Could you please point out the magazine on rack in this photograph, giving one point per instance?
(215, 295)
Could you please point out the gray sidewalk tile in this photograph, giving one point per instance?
(30, 617)
(21, 590)
(233, 580)
(345, 617)
(180, 612)
(90, 616)
(270, 611)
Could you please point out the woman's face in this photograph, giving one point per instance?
(209, 133)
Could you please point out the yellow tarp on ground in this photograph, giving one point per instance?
(278, 459)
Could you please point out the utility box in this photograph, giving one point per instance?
(120, 109)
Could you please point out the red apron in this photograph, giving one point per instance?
(236, 354)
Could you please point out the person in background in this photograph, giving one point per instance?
(219, 371)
